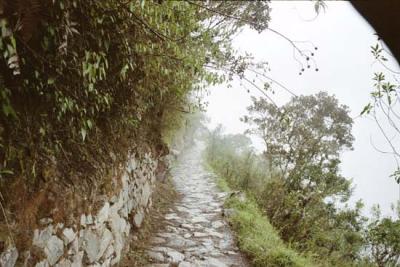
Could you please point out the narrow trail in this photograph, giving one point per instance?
(195, 234)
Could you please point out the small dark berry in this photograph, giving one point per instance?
(302, 69)
(316, 69)
(299, 73)
(308, 66)
(316, 48)
(308, 58)
(312, 54)
(248, 91)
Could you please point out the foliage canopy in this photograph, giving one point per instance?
(83, 84)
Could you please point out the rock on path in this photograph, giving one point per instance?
(195, 233)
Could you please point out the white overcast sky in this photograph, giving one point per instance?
(346, 69)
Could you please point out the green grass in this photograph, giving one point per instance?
(223, 185)
(257, 237)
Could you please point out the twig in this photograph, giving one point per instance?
(6, 219)
(274, 81)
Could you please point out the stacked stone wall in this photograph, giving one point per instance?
(97, 239)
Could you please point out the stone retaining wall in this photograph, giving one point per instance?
(96, 239)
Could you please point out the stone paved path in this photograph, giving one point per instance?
(195, 233)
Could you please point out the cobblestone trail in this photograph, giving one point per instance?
(196, 234)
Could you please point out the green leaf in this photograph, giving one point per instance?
(13, 42)
(367, 109)
(4, 171)
(89, 124)
(9, 111)
(50, 81)
(83, 133)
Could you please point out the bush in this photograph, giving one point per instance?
(302, 218)
(258, 238)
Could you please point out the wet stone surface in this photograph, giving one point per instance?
(195, 234)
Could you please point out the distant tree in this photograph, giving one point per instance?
(307, 131)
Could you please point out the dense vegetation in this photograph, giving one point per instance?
(256, 236)
(297, 183)
(85, 83)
